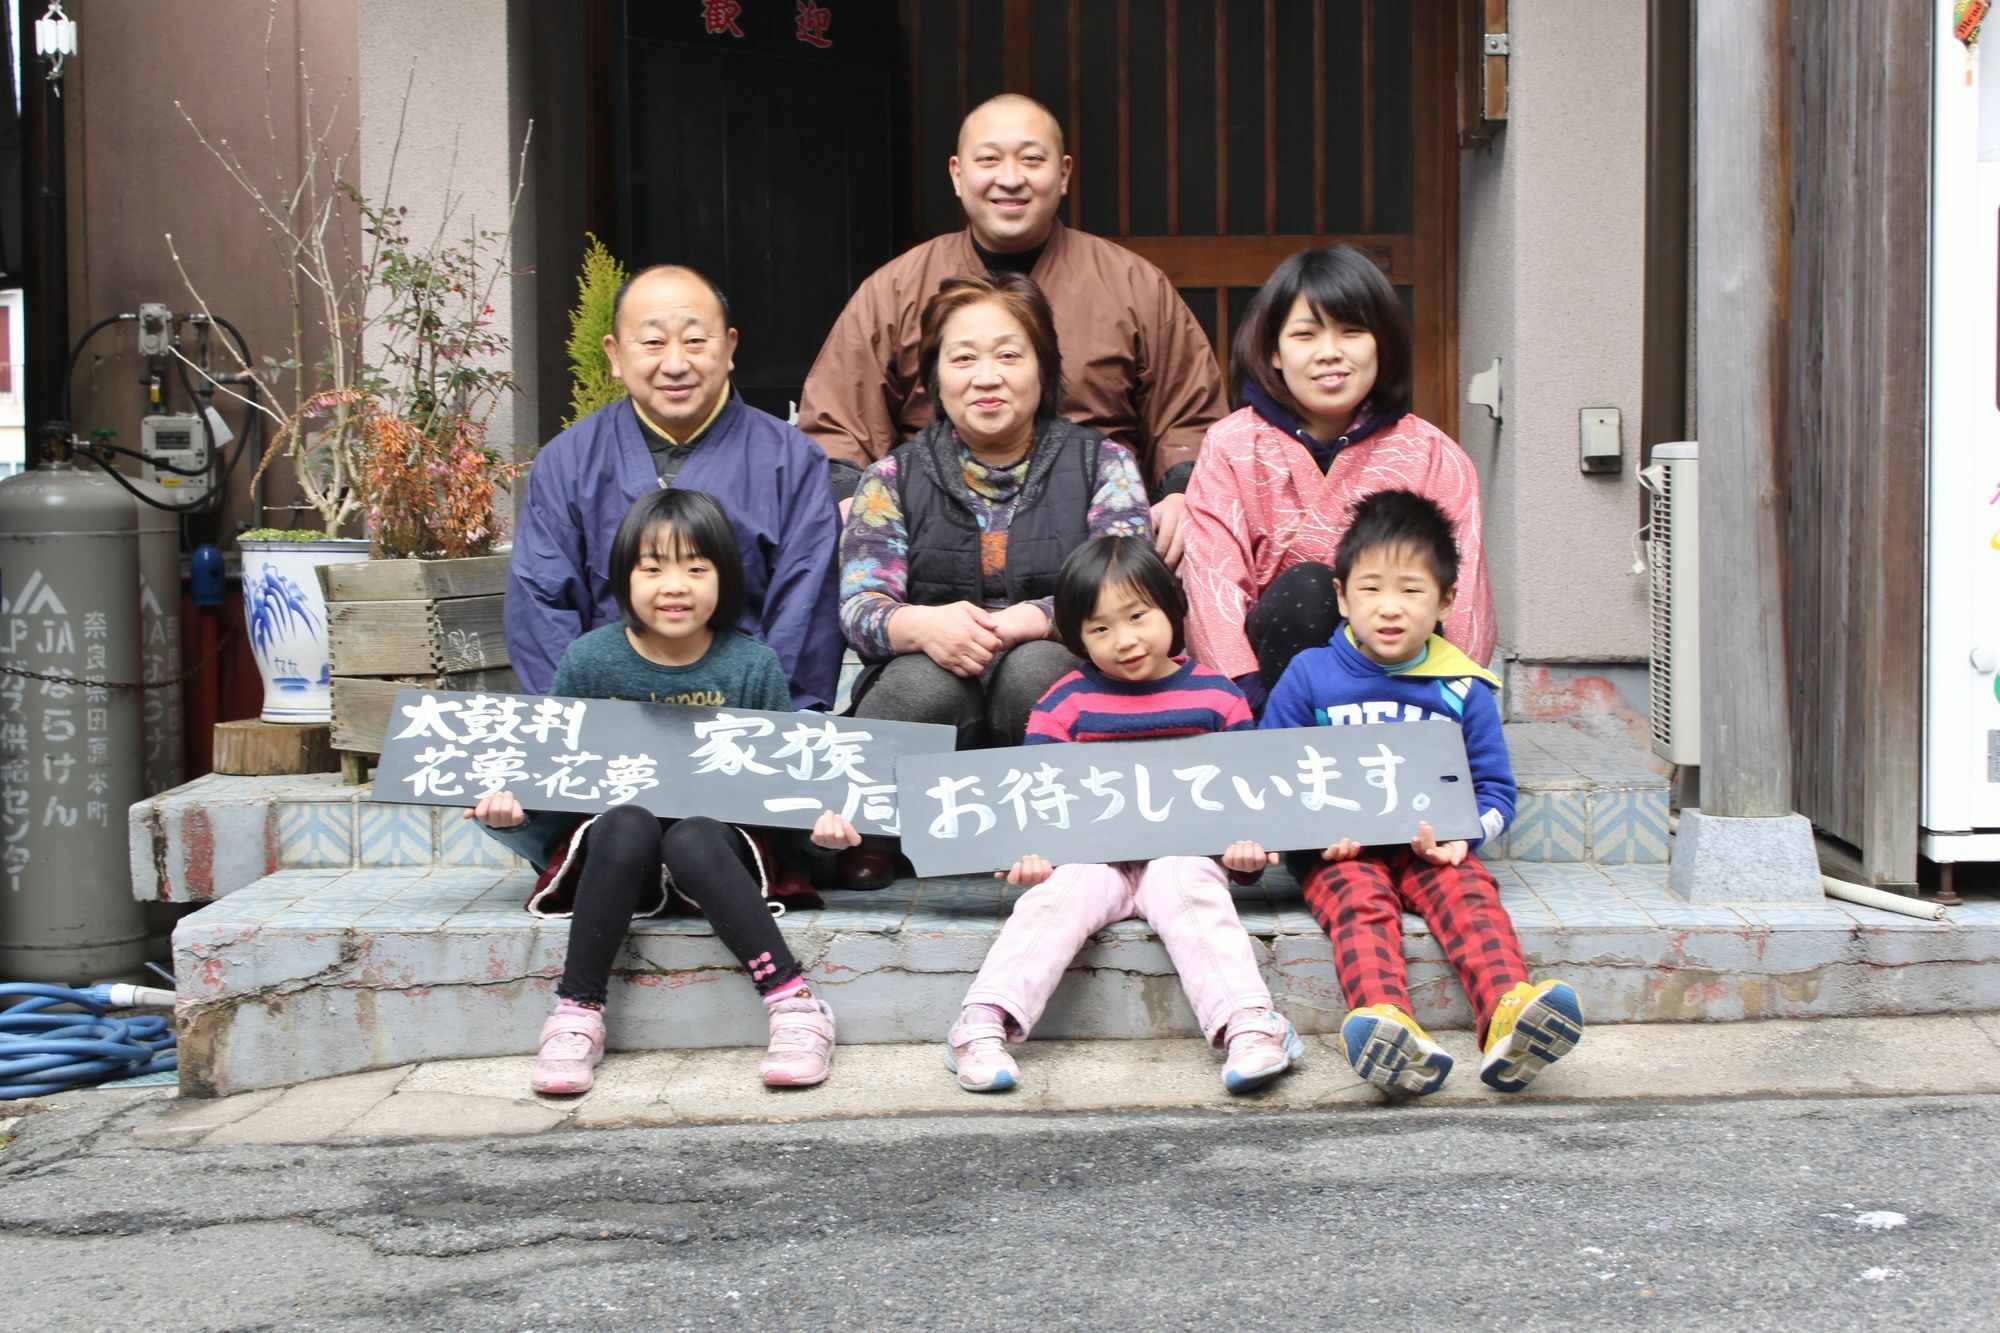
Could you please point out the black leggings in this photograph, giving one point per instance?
(1298, 611)
(712, 866)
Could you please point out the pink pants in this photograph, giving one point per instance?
(1184, 898)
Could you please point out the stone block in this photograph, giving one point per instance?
(187, 852)
(1718, 859)
(208, 838)
(312, 973)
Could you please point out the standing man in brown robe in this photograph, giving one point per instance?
(1137, 365)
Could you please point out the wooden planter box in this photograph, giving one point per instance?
(393, 624)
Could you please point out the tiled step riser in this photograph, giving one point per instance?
(198, 850)
(282, 985)
(1608, 826)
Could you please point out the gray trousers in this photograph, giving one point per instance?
(990, 709)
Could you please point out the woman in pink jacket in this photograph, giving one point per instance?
(1321, 368)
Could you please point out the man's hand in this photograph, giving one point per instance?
(1344, 850)
(1027, 872)
(1426, 845)
(498, 809)
(845, 505)
(960, 637)
(1247, 857)
(1167, 535)
(830, 830)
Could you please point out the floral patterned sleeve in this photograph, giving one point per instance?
(874, 562)
(1120, 507)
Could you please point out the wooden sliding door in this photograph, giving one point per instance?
(1216, 137)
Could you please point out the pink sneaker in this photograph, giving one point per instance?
(801, 1044)
(977, 1053)
(1260, 1048)
(572, 1046)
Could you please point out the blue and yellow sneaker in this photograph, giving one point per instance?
(1532, 1028)
(1387, 1048)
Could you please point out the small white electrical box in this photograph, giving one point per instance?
(1600, 448)
(180, 442)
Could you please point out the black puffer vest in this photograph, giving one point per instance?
(1051, 516)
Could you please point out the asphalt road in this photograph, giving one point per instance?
(1823, 1214)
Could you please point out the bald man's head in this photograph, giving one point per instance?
(668, 270)
(1019, 102)
(1010, 173)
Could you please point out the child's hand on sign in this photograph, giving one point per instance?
(1247, 857)
(830, 830)
(498, 809)
(1426, 845)
(1344, 850)
(1027, 872)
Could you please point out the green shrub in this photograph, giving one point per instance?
(592, 384)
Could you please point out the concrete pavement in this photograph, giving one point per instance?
(490, 1097)
(1750, 1212)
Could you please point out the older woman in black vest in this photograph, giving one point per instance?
(949, 557)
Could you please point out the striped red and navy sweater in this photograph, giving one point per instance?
(1086, 705)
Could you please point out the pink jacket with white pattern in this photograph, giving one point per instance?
(1257, 505)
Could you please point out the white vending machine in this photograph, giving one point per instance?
(1961, 795)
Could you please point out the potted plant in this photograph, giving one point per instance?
(381, 402)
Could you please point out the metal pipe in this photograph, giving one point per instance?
(44, 243)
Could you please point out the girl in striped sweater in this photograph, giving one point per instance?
(1117, 604)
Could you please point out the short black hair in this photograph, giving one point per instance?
(1339, 284)
(618, 301)
(1106, 562)
(671, 522)
(1404, 520)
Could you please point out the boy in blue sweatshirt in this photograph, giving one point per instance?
(1395, 574)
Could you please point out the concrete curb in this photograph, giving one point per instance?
(480, 1098)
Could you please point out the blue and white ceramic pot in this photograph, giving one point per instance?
(285, 615)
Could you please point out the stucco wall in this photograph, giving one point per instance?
(458, 141)
(137, 172)
(1551, 262)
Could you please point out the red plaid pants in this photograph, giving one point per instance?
(1360, 904)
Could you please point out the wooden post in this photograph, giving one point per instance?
(1740, 278)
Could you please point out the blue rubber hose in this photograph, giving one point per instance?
(43, 1052)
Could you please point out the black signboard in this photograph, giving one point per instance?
(1289, 790)
(586, 755)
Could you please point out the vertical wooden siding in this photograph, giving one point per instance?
(1216, 137)
(1860, 154)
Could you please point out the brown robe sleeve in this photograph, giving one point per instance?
(855, 391)
(1180, 385)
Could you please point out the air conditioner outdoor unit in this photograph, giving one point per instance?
(1673, 561)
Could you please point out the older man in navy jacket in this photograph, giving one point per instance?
(683, 425)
